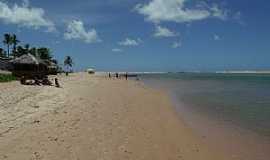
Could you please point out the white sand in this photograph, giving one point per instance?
(93, 118)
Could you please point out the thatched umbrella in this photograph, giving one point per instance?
(28, 65)
(4, 64)
(52, 67)
(27, 59)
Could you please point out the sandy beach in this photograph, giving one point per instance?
(94, 118)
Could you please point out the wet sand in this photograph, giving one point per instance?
(94, 118)
(236, 142)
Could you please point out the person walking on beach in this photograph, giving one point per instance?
(116, 75)
(56, 83)
(110, 75)
(23, 80)
(126, 76)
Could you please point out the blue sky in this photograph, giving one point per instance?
(146, 35)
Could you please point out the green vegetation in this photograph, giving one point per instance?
(7, 41)
(14, 50)
(68, 62)
(6, 78)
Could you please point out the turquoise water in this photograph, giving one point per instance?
(242, 100)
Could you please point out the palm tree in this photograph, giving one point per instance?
(44, 53)
(68, 62)
(7, 41)
(33, 51)
(20, 51)
(15, 42)
(27, 48)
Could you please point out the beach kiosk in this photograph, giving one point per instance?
(52, 68)
(29, 67)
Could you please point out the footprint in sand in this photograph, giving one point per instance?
(180, 157)
(53, 138)
(4, 156)
(36, 156)
(124, 149)
(36, 121)
(35, 106)
(75, 122)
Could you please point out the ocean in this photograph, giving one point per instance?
(231, 107)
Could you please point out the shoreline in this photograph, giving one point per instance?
(95, 118)
(231, 139)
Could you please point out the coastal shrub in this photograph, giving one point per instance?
(6, 78)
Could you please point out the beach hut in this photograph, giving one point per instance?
(29, 66)
(52, 67)
(4, 64)
(90, 71)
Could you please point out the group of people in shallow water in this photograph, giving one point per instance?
(118, 76)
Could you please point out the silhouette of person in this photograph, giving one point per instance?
(56, 83)
(23, 80)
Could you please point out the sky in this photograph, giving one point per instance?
(145, 35)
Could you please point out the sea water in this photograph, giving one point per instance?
(222, 103)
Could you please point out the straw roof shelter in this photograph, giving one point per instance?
(27, 59)
(29, 66)
(52, 67)
(4, 64)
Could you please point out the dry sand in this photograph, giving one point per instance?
(94, 118)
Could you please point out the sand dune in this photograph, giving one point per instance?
(94, 118)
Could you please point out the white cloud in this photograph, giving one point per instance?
(176, 11)
(25, 15)
(130, 42)
(75, 30)
(177, 44)
(217, 37)
(218, 12)
(164, 32)
(117, 50)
